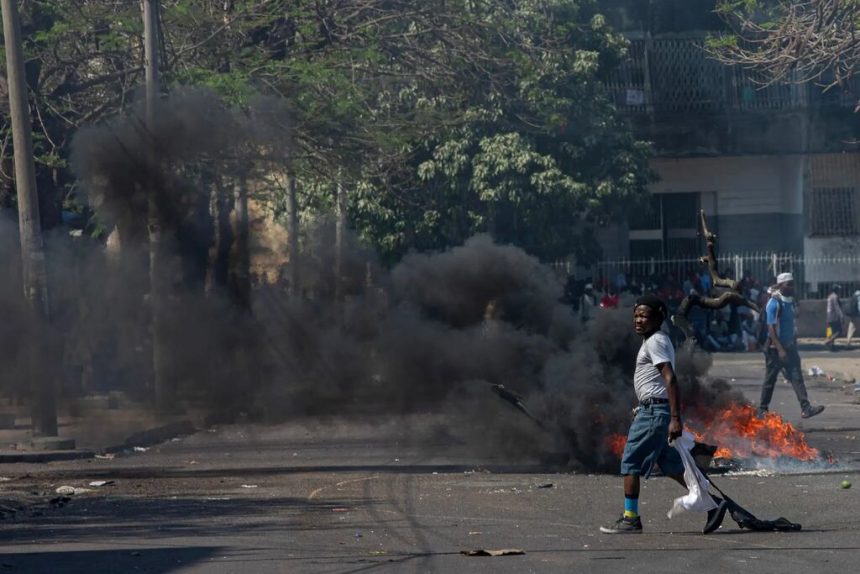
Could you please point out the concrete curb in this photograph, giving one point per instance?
(155, 436)
(13, 456)
(144, 438)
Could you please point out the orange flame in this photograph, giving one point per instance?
(741, 434)
(616, 443)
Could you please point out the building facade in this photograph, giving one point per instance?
(775, 167)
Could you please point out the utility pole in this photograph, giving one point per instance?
(162, 393)
(34, 270)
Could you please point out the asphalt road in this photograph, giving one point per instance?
(395, 497)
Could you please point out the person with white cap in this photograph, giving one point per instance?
(853, 315)
(781, 348)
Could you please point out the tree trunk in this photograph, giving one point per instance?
(293, 236)
(162, 392)
(240, 284)
(34, 270)
(50, 203)
(220, 205)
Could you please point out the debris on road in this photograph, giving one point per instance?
(102, 483)
(498, 552)
(158, 435)
(339, 509)
(546, 485)
(59, 501)
(71, 490)
(845, 484)
(140, 449)
(816, 371)
(8, 511)
(106, 456)
(249, 486)
(761, 472)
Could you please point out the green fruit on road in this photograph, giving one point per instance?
(845, 484)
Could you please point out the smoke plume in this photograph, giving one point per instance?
(436, 333)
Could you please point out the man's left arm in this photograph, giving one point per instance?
(672, 387)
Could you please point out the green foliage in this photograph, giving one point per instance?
(442, 118)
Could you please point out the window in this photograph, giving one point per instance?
(833, 212)
(666, 227)
(648, 216)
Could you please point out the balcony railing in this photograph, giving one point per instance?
(676, 74)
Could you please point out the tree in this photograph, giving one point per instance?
(529, 144)
(792, 40)
(81, 66)
(442, 117)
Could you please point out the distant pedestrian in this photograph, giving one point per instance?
(781, 348)
(748, 332)
(835, 317)
(853, 315)
(705, 280)
(587, 303)
(609, 300)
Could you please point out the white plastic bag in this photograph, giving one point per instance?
(697, 498)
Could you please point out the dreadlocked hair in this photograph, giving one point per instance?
(653, 302)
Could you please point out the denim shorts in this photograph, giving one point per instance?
(647, 444)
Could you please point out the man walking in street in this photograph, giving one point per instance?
(657, 420)
(853, 316)
(835, 317)
(781, 348)
(587, 304)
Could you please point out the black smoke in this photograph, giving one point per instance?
(433, 334)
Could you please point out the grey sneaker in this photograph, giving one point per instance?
(624, 525)
(811, 412)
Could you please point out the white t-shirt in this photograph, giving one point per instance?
(647, 379)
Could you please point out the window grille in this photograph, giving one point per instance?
(833, 212)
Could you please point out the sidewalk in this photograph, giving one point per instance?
(96, 429)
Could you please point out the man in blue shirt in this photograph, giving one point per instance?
(781, 348)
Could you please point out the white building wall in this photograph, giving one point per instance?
(755, 201)
(833, 171)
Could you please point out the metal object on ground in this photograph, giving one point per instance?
(517, 402)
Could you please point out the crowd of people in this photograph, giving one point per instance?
(725, 330)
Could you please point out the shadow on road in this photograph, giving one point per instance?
(153, 560)
(161, 471)
(99, 520)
